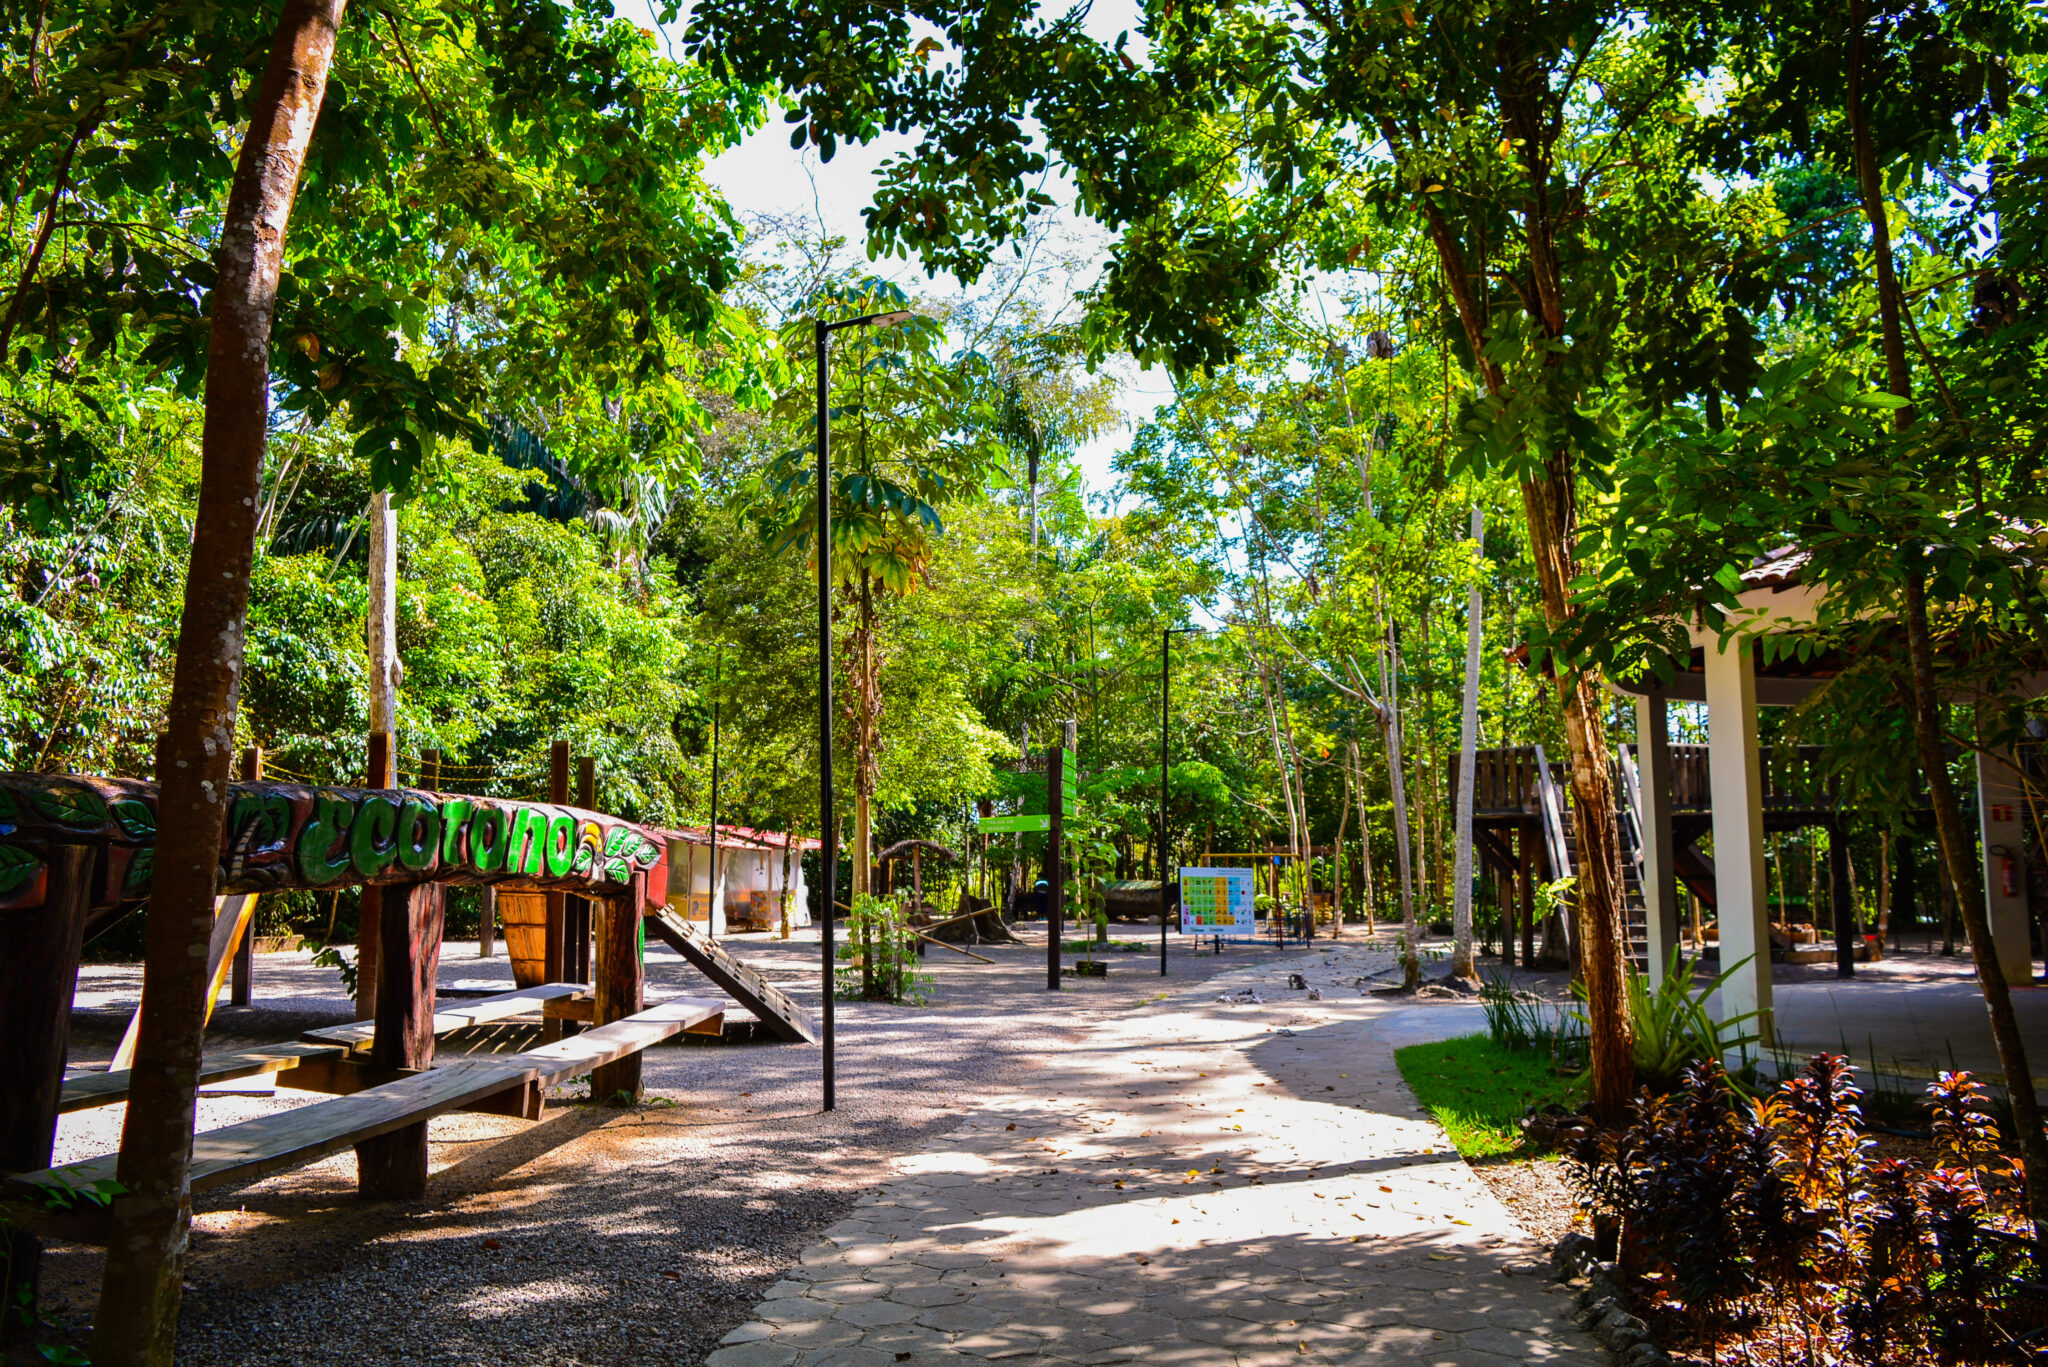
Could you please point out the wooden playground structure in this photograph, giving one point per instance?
(76, 854)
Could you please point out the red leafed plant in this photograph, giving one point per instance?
(1765, 1228)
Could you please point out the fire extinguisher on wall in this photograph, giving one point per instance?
(2008, 871)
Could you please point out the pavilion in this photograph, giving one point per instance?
(1727, 678)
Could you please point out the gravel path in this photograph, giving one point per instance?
(594, 1236)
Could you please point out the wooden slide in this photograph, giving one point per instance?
(778, 1014)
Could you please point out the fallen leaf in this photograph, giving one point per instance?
(493, 1244)
(673, 1276)
(1386, 1188)
(1301, 1347)
(1142, 1260)
(1456, 1221)
(1443, 1258)
(1011, 1126)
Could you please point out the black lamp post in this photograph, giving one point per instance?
(1166, 636)
(828, 841)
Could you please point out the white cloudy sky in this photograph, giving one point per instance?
(764, 176)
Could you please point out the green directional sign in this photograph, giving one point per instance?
(1004, 825)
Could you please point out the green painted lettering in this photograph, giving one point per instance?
(527, 852)
(372, 841)
(490, 832)
(419, 833)
(561, 844)
(454, 819)
(323, 852)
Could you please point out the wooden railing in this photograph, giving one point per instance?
(1793, 778)
(1510, 780)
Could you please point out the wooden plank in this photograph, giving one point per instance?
(778, 1012)
(608, 1043)
(306, 1134)
(449, 1019)
(104, 1089)
(233, 918)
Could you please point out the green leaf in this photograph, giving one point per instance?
(136, 817)
(70, 806)
(17, 866)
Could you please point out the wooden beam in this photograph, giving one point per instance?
(38, 977)
(554, 951)
(393, 1166)
(621, 986)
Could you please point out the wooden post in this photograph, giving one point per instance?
(38, 977)
(558, 904)
(580, 907)
(241, 986)
(620, 986)
(393, 1167)
(382, 772)
(487, 924)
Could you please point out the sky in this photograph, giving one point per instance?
(765, 176)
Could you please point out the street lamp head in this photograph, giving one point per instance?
(880, 320)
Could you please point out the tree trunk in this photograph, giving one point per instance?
(1884, 894)
(867, 724)
(1366, 889)
(1390, 728)
(1958, 854)
(1337, 860)
(1550, 506)
(1462, 967)
(139, 1293)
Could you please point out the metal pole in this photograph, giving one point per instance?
(828, 831)
(1165, 691)
(711, 913)
(1055, 886)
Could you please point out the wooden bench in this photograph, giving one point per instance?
(287, 1139)
(314, 1047)
(104, 1089)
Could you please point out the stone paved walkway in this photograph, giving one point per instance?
(1198, 1183)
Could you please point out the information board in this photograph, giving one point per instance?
(1007, 825)
(1218, 902)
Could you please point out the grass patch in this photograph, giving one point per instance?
(1479, 1091)
(1106, 946)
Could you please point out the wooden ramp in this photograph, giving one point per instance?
(778, 1013)
(306, 1134)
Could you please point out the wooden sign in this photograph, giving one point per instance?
(287, 836)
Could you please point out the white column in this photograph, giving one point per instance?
(1660, 869)
(2003, 833)
(1736, 784)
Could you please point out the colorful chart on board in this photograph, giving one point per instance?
(1218, 902)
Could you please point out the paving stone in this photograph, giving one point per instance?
(975, 1250)
(874, 1314)
(759, 1353)
(748, 1332)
